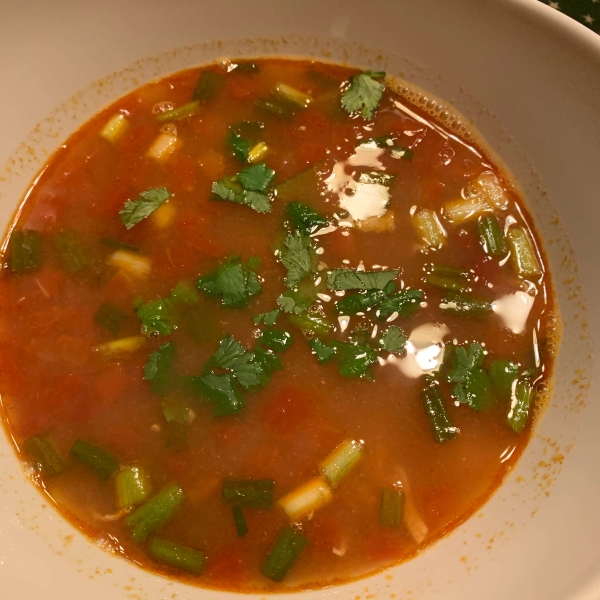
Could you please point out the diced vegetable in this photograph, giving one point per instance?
(283, 554)
(176, 556)
(132, 263)
(465, 306)
(429, 228)
(257, 152)
(163, 146)
(102, 462)
(492, 238)
(110, 317)
(307, 498)
(240, 522)
(121, 347)
(312, 322)
(44, 453)
(303, 185)
(459, 211)
(115, 128)
(521, 397)
(155, 513)
(488, 186)
(523, 255)
(208, 86)
(378, 224)
(448, 278)
(391, 508)
(290, 94)
(249, 493)
(438, 415)
(414, 522)
(163, 216)
(132, 486)
(25, 249)
(341, 461)
(178, 114)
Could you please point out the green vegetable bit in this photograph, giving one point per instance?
(175, 410)
(157, 370)
(276, 106)
(180, 113)
(364, 94)
(297, 256)
(156, 317)
(465, 306)
(437, 414)
(362, 301)
(311, 322)
(184, 293)
(137, 210)
(232, 356)
(155, 513)
(502, 375)
(176, 556)
(304, 218)
(391, 508)
(268, 318)
(222, 391)
(234, 282)
(132, 486)
(348, 279)
(276, 340)
(249, 493)
(113, 243)
(25, 250)
(294, 302)
(492, 238)
(520, 404)
(102, 462)
(44, 453)
(448, 278)
(240, 522)
(283, 554)
(208, 86)
(72, 252)
(324, 352)
(393, 340)
(110, 317)
(404, 303)
(247, 187)
(473, 386)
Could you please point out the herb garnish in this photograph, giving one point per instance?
(234, 282)
(364, 93)
(137, 210)
(247, 187)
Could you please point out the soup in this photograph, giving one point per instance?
(270, 324)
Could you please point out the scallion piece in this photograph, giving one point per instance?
(132, 486)
(438, 415)
(25, 250)
(391, 508)
(257, 152)
(448, 278)
(306, 499)
(312, 322)
(459, 211)
(44, 453)
(115, 128)
(290, 94)
(522, 253)
(341, 461)
(208, 85)
(283, 554)
(178, 114)
(521, 397)
(465, 306)
(429, 228)
(492, 238)
(176, 556)
(134, 264)
(240, 522)
(273, 106)
(121, 347)
(249, 493)
(102, 462)
(156, 512)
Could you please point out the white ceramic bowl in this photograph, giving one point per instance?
(527, 76)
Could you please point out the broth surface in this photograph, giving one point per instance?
(79, 277)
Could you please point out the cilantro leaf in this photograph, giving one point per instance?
(393, 340)
(256, 178)
(465, 360)
(156, 317)
(304, 218)
(276, 340)
(184, 293)
(228, 189)
(227, 353)
(239, 146)
(268, 360)
(293, 302)
(296, 256)
(348, 279)
(355, 360)
(158, 367)
(311, 321)
(360, 302)
(222, 391)
(473, 386)
(234, 282)
(136, 210)
(364, 94)
(257, 201)
(323, 351)
(502, 375)
(405, 303)
(268, 318)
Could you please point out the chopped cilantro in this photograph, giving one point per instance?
(502, 375)
(276, 340)
(268, 318)
(364, 94)
(234, 282)
(256, 178)
(355, 359)
(293, 302)
(473, 386)
(254, 263)
(136, 210)
(268, 360)
(312, 322)
(323, 351)
(184, 293)
(296, 256)
(304, 218)
(156, 317)
(158, 367)
(348, 279)
(405, 303)
(247, 187)
(362, 301)
(222, 391)
(228, 352)
(393, 340)
(239, 146)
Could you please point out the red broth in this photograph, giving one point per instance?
(336, 226)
